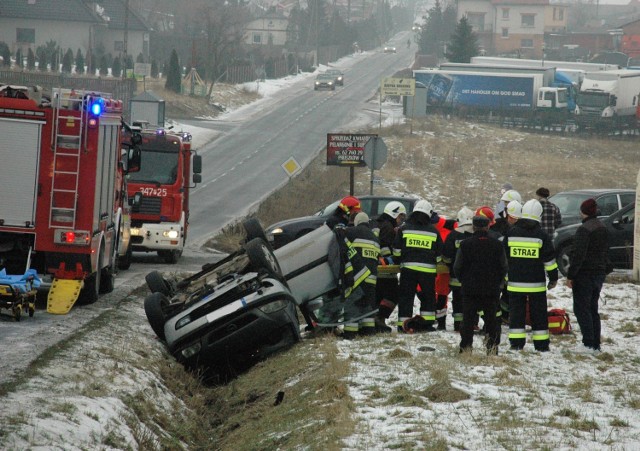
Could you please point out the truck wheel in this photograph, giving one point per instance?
(254, 229)
(158, 284)
(154, 305)
(124, 262)
(170, 257)
(107, 280)
(563, 259)
(261, 257)
(89, 294)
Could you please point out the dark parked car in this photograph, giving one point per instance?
(325, 81)
(284, 232)
(620, 226)
(337, 74)
(389, 49)
(608, 200)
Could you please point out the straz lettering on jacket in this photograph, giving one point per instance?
(418, 240)
(520, 247)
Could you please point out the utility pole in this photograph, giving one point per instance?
(126, 37)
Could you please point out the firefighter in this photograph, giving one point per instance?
(388, 223)
(417, 248)
(449, 250)
(530, 254)
(344, 212)
(361, 238)
(444, 227)
(501, 223)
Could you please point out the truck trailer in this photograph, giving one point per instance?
(492, 92)
(608, 99)
(62, 170)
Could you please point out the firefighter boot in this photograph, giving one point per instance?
(417, 324)
(442, 323)
(381, 325)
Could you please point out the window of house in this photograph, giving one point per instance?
(26, 35)
(505, 13)
(528, 20)
(118, 46)
(526, 43)
(558, 13)
(257, 38)
(505, 32)
(476, 20)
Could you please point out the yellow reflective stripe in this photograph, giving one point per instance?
(526, 289)
(351, 327)
(397, 253)
(553, 324)
(551, 267)
(498, 313)
(517, 333)
(453, 282)
(419, 268)
(361, 276)
(525, 241)
(430, 317)
(540, 335)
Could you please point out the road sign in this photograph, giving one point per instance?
(391, 86)
(291, 167)
(375, 153)
(346, 149)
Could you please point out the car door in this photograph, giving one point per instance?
(608, 204)
(621, 238)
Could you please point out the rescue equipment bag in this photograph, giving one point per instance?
(559, 322)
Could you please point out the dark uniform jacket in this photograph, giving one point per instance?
(449, 251)
(481, 265)
(590, 248)
(365, 243)
(530, 253)
(418, 245)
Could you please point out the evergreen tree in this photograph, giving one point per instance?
(463, 44)
(173, 75)
(5, 53)
(104, 65)
(31, 60)
(79, 62)
(129, 62)
(140, 58)
(438, 26)
(41, 53)
(116, 67)
(19, 58)
(154, 69)
(67, 61)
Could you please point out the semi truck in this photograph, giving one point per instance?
(560, 65)
(551, 77)
(63, 166)
(159, 192)
(608, 99)
(492, 92)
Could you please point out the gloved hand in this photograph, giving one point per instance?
(434, 217)
(552, 284)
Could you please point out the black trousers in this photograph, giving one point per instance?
(586, 292)
(472, 303)
(409, 281)
(539, 319)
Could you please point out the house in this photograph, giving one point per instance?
(268, 30)
(514, 27)
(73, 24)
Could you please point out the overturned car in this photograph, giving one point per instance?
(244, 307)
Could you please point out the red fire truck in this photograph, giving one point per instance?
(62, 172)
(159, 192)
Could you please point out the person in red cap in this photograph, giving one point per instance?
(587, 273)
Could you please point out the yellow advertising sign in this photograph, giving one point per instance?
(391, 86)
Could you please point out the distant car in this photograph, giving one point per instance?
(284, 232)
(337, 74)
(620, 227)
(325, 81)
(608, 201)
(389, 49)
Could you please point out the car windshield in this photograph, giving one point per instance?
(325, 77)
(157, 165)
(569, 203)
(333, 72)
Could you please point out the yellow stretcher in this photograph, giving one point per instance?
(62, 295)
(18, 293)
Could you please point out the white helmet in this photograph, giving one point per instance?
(532, 209)
(360, 218)
(510, 195)
(395, 209)
(424, 206)
(514, 208)
(465, 216)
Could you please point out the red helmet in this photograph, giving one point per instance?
(487, 212)
(350, 204)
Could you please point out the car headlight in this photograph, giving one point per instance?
(170, 234)
(183, 321)
(317, 82)
(273, 307)
(192, 350)
(330, 83)
(277, 231)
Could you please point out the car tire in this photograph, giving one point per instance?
(563, 258)
(261, 257)
(254, 229)
(154, 306)
(158, 284)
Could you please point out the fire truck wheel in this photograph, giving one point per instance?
(158, 284)
(170, 257)
(108, 280)
(261, 257)
(153, 308)
(89, 294)
(124, 262)
(254, 229)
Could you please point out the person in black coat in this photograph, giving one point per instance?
(480, 265)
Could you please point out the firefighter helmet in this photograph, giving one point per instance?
(423, 206)
(350, 204)
(395, 209)
(510, 195)
(487, 212)
(465, 216)
(532, 209)
(514, 208)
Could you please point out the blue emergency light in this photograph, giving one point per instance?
(96, 106)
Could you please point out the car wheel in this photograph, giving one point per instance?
(563, 258)
(154, 305)
(254, 229)
(262, 257)
(158, 284)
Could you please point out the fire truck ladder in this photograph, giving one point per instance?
(66, 142)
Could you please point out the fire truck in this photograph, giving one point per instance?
(159, 192)
(62, 172)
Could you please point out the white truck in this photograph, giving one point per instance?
(608, 99)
